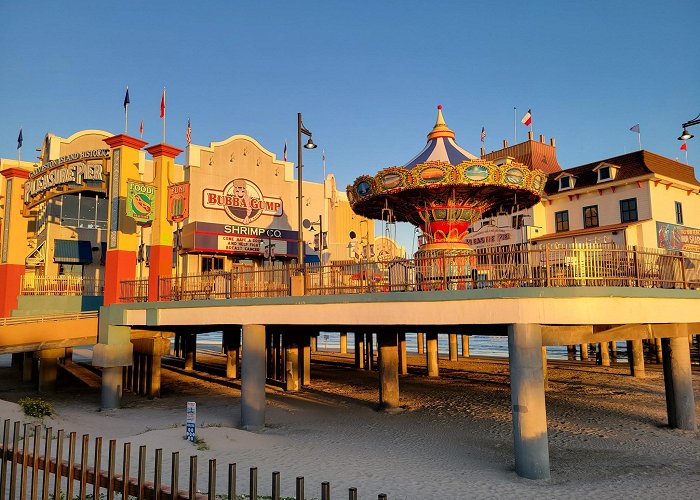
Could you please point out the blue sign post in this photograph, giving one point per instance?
(191, 421)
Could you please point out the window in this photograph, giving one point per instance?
(565, 183)
(518, 221)
(604, 174)
(590, 216)
(212, 264)
(628, 210)
(679, 213)
(83, 210)
(562, 221)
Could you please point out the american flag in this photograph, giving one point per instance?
(188, 135)
(483, 134)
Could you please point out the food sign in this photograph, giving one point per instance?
(178, 202)
(140, 201)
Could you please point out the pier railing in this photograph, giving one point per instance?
(514, 266)
(65, 466)
(61, 285)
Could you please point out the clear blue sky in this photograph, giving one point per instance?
(367, 76)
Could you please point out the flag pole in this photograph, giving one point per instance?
(515, 125)
(163, 115)
(639, 138)
(126, 112)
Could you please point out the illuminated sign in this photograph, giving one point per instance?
(242, 201)
(140, 201)
(239, 239)
(67, 174)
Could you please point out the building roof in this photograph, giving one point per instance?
(588, 230)
(532, 153)
(631, 165)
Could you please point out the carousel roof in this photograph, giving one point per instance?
(441, 146)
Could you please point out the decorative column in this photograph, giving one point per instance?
(161, 260)
(122, 239)
(253, 378)
(527, 395)
(14, 240)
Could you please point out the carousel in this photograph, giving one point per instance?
(442, 191)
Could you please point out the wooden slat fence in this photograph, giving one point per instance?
(67, 469)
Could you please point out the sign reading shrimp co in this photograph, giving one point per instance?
(140, 201)
(242, 201)
(71, 173)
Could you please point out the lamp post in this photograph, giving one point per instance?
(321, 240)
(687, 135)
(309, 145)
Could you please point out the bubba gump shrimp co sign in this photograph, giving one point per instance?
(242, 200)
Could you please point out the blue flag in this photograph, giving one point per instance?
(19, 139)
(635, 128)
(126, 98)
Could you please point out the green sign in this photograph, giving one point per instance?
(140, 201)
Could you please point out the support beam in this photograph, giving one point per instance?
(232, 344)
(465, 346)
(678, 381)
(452, 339)
(604, 348)
(421, 343)
(253, 378)
(291, 355)
(431, 354)
(305, 362)
(658, 350)
(359, 351)
(111, 387)
(48, 370)
(584, 351)
(527, 395)
(403, 360)
(545, 374)
(635, 354)
(190, 350)
(388, 370)
(343, 342)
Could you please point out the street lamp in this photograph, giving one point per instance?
(322, 245)
(687, 135)
(309, 145)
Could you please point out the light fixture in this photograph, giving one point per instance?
(687, 135)
(301, 130)
(310, 144)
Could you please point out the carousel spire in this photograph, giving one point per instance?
(440, 129)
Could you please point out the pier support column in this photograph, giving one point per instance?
(369, 351)
(27, 363)
(421, 343)
(48, 368)
(604, 353)
(658, 350)
(465, 346)
(527, 396)
(232, 344)
(635, 354)
(190, 351)
(431, 354)
(584, 352)
(571, 352)
(291, 355)
(452, 339)
(678, 381)
(253, 378)
(359, 350)
(403, 361)
(613, 350)
(343, 342)
(17, 361)
(388, 370)
(305, 361)
(314, 342)
(545, 373)
(113, 352)
(143, 374)
(155, 376)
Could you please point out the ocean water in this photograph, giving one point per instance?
(479, 345)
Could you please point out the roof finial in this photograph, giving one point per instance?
(440, 129)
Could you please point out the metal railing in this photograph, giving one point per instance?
(134, 290)
(61, 285)
(19, 320)
(514, 266)
(69, 468)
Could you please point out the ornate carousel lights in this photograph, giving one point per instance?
(444, 189)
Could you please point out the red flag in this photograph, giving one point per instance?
(527, 119)
(162, 105)
(141, 128)
(684, 147)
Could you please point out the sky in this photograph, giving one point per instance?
(367, 76)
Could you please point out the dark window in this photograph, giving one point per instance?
(604, 173)
(518, 221)
(211, 264)
(628, 210)
(679, 213)
(562, 221)
(83, 210)
(565, 182)
(590, 216)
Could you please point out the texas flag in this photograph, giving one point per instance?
(527, 119)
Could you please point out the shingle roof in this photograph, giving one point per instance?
(532, 153)
(636, 164)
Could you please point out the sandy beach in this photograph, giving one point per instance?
(453, 438)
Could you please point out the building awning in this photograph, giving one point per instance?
(72, 252)
(311, 259)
